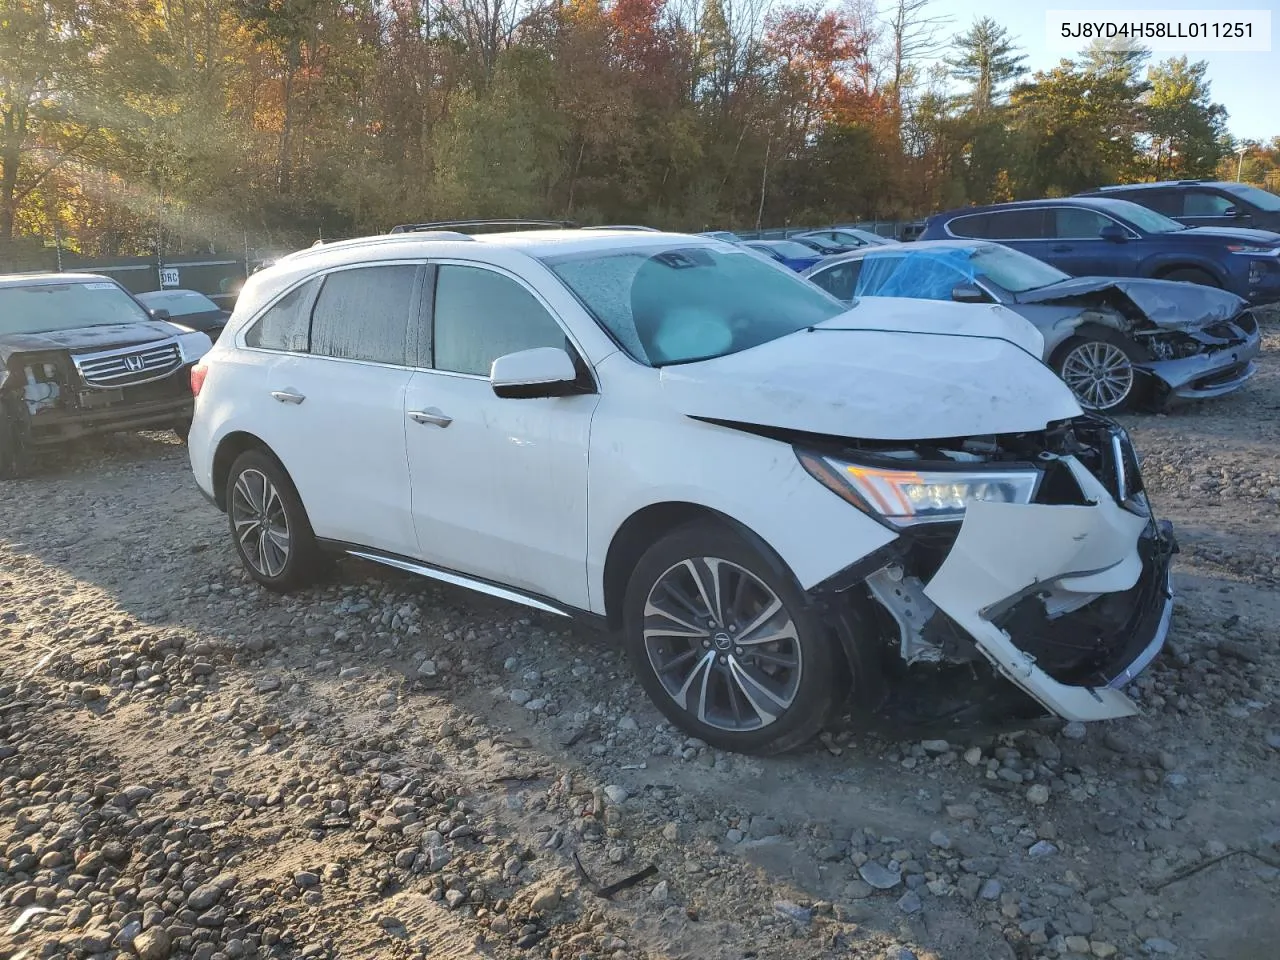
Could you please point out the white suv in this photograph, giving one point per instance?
(777, 499)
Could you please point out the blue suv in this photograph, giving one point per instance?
(1096, 236)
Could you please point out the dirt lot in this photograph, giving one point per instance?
(386, 768)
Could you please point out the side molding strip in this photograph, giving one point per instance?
(458, 580)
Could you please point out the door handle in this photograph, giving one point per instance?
(1062, 248)
(430, 415)
(287, 396)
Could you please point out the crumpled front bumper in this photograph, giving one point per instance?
(1008, 557)
(1225, 365)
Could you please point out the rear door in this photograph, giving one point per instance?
(334, 376)
(1023, 229)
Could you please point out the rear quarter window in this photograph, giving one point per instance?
(286, 323)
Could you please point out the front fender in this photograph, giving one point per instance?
(755, 481)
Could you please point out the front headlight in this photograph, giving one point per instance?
(1250, 248)
(906, 497)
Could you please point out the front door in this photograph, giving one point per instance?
(499, 485)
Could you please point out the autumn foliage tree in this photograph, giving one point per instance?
(203, 124)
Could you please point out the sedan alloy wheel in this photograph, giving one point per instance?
(1099, 373)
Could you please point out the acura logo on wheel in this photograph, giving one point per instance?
(133, 363)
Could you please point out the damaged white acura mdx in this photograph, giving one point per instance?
(787, 506)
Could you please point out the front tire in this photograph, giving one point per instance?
(725, 643)
(1100, 368)
(1191, 275)
(269, 525)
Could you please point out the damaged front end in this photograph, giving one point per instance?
(1201, 362)
(1195, 342)
(1040, 557)
(48, 397)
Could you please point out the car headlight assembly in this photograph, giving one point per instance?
(904, 498)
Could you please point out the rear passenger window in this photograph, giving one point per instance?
(1168, 202)
(1017, 225)
(363, 314)
(481, 315)
(1076, 223)
(284, 325)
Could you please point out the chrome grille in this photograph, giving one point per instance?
(129, 365)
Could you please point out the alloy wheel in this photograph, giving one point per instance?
(723, 644)
(1099, 374)
(261, 523)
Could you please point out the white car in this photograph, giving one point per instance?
(781, 502)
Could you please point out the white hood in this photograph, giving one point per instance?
(888, 369)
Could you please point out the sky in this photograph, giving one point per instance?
(1247, 84)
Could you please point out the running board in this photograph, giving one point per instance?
(458, 580)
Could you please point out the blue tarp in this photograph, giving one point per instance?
(924, 274)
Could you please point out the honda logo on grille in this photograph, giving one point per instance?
(134, 364)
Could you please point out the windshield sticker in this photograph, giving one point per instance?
(99, 286)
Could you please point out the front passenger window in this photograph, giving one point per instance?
(481, 315)
(839, 280)
(1201, 203)
(1074, 223)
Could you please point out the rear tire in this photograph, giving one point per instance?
(12, 459)
(269, 526)
(712, 657)
(1191, 275)
(1099, 368)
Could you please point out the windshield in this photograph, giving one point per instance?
(1261, 199)
(1143, 218)
(1015, 271)
(668, 305)
(46, 307)
(179, 303)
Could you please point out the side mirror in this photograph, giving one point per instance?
(160, 313)
(968, 293)
(1113, 233)
(540, 372)
(1235, 213)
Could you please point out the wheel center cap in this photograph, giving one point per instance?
(722, 641)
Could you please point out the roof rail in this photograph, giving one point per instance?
(478, 225)
(622, 226)
(1201, 180)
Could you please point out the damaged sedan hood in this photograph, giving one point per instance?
(888, 369)
(88, 339)
(1166, 303)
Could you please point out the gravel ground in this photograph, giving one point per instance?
(383, 767)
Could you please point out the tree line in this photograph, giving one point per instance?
(193, 124)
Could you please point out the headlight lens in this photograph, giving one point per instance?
(1250, 248)
(907, 497)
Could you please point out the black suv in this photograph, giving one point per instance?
(79, 355)
(1202, 203)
